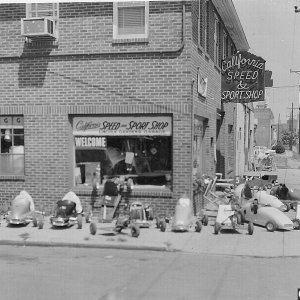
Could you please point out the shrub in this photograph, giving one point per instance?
(279, 148)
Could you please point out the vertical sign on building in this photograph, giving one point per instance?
(243, 78)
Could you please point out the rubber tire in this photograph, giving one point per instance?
(34, 222)
(217, 228)
(151, 214)
(40, 224)
(238, 218)
(93, 228)
(205, 220)
(79, 221)
(297, 221)
(88, 217)
(198, 226)
(250, 228)
(157, 220)
(162, 225)
(135, 230)
(288, 207)
(271, 226)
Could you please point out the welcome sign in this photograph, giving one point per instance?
(243, 78)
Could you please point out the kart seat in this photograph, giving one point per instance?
(65, 207)
(110, 189)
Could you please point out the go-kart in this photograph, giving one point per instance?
(183, 219)
(65, 215)
(122, 222)
(112, 195)
(141, 214)
(229, 217)
(267, 216)
(21, 214)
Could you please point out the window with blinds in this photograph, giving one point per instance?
(36, 10)
(130, 19)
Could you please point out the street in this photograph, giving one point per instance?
(94, 274)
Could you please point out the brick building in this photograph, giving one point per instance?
(117, 88)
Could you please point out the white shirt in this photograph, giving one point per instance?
(71, 196)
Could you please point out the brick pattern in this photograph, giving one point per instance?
(86, 72)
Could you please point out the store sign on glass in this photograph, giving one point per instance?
(123, 126)
(95, 142)
(243, 78)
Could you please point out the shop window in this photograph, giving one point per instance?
(130, 19)
(217, 41)
(105, 153)
(11, 145)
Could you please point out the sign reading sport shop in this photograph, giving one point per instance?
(243, 78)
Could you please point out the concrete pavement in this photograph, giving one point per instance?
(238, 243)
(228, 242)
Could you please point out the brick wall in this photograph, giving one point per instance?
(88, 73)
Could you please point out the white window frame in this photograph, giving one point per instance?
(116, 35)
(55, 11)
(206, 25)
(217, 41)
(54, 16)
(225, 45)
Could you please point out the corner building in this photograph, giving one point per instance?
(114, 88)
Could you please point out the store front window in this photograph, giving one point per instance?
(139, 148)
(11, 145)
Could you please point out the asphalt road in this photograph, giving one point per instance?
(92, 274)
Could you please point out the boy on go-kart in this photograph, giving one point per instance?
(68, 211)
(22, 209)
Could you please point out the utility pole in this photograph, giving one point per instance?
(292, 124)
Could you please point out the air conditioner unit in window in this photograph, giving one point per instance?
(38, 28)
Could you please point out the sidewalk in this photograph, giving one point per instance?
(260, 244)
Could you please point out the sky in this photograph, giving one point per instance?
(272, 29)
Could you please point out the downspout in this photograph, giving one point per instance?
(95, 54)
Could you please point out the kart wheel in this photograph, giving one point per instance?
(157, 222)
(118, 229)
(205, 220)
(271, 226)
(34, 222)
(135, 231)
(296, 223)
(217, 228)
(40, 224)
(150, 214)
(88, 217)
(288, 207)
(250, 228)
(238, 218)
(93, 228)
(79, 221)
(198, 226)
(162, 225)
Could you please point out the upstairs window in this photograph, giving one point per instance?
(36, 10)
(131, 20)
(217, 41)
(225, 45)
(11, 145)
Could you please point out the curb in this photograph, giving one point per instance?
(82, 245)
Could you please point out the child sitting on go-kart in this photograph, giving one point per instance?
(24, 196)
(71, 196)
